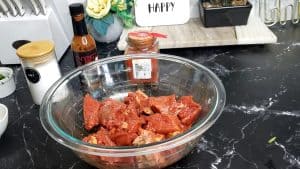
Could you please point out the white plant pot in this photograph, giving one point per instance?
(113, 32)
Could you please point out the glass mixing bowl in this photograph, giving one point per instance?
(61, 108)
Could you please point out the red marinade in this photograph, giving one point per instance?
(139, 120)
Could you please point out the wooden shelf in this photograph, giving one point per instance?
(194, 34)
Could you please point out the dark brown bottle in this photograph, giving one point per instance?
(83, 44)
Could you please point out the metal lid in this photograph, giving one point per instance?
(35, 49)
(140, 39)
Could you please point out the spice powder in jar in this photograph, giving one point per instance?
(142, 70)
(40, 67)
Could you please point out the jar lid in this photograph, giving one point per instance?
(35, 49)
(140, 39)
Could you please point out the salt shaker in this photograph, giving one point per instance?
(40, 67)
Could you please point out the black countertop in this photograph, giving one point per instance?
(263, 101)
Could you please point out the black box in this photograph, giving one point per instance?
(224, 16)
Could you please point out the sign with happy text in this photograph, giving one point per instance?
(161, 12)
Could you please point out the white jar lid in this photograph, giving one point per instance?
(37, 51)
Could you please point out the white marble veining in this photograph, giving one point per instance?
(257, 113)
(290, 158)
(26, 146)
(74, 165)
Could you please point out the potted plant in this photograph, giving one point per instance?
(215, 13)
(106, 18)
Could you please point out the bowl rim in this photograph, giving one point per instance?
(124, 151)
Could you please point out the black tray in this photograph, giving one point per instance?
(224, 16)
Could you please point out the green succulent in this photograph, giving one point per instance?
(2, 76)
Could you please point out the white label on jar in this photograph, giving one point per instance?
(142, 68)
(40, 78)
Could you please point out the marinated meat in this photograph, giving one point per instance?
(147, 137)
(138, 120)
(163, 123)
(111, 114)
(101, 138)
(140, 100)
(90, 112)
(128, 128)
(162, 104)
(122, 137)
(191, 111)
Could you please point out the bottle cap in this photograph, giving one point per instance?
(140, 39)
(76, 8)
(143, 39)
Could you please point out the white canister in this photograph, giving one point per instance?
(40, 67)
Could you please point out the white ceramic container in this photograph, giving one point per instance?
(7, 85)
(3, 118)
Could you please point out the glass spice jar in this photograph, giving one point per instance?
(142, 70)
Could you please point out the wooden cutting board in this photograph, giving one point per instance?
(194, 34)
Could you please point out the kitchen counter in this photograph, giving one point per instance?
(263, 101)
